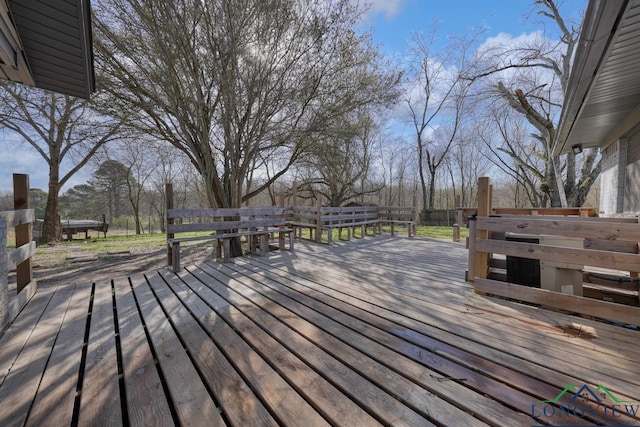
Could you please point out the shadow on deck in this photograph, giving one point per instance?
(362, 333)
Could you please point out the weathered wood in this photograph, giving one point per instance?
(14, 339)
(574, 227)
(306, 292)
(576, 304)
(371, 360)
(484, 208)
(588, 212)
(471, 269)
(192, 403)
(170, 221)
(225, 225)
(195, 213)
(19, 301)
(263, 379)
(20, 217)
(611, 245)
(377, 401)
(54, 402)
(21, 384)
(338, 408)
(319, 223)
(613, 260)
(146, 402)
(24, 274)
(100, 393)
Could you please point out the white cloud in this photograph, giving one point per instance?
(388, 8)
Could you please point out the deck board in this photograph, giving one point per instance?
(54, 403)
(312, 386)
(100, 393)
(192, 402)
(146, 402)
(376, 331)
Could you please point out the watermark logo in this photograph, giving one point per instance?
(587, 403)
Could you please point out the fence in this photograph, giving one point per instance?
(578, 258)
(18, 259)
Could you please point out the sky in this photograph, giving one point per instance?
(391, 23)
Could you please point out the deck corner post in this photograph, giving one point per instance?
(481, 269)
(24, 273)
(319, 221)
(4, 273)
(169, 205)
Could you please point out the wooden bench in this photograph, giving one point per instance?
(349, 218)
(257, 225)
(319, 219)
(392, 215)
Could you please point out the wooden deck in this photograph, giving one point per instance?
(378, 331)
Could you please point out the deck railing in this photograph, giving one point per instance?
(577, 258)
(19, 259)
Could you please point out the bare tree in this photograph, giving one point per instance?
(531, 79)
(227, 81)
(138, 159)
(65, 131)
(339, 166)
(437, 96)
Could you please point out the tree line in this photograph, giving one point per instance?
(244, 99)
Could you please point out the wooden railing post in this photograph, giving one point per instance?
(319, 221)
(416, 219)
(471, 269)
(4, 273)
(169, 205)
(294, 194)
(456, 226)
(24, 235)
(484, 208)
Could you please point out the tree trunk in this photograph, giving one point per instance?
(432, 189)
(423, 184)
(51, 225)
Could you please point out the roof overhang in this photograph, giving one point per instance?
(602, 102)
(48, 44)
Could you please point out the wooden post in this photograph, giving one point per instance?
(104, 225)
(416, 212)
(471, 269)
(169, 198)
(281, 234)
(318, 221)
(4, 274)
(294, 194)
(459, 219)
(23, 231)
(484, 208)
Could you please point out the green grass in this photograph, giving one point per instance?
(58, 252)
(441, 232)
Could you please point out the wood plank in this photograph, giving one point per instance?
(100, 392)
(147, 404)
(23, 216)
(574, 227)
(450, 306)
(371, 396)
(20, 300)
(23, 232)
(225, 212)
(480, 339)
(321, 394)
(237, 400)
(612, 245)
(21, 384)
(54, 402)
(338, 408)
(370, 359)
(450, 361)
(602, 309)
(191, 400)
(612, 260)
(15, 338)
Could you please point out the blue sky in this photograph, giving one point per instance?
(391, 23)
